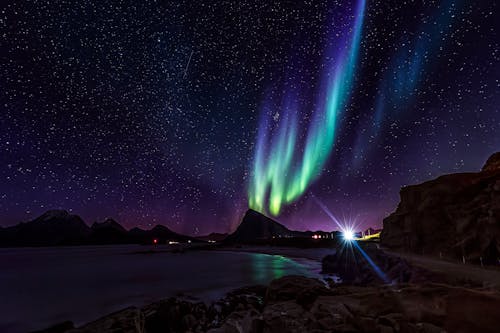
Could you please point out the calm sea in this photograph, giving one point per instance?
(43, 286)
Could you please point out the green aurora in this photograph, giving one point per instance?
(280, 174)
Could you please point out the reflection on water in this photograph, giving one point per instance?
(269, 267)
(42, 286)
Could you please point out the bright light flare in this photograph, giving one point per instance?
(351, 241)
(348, 235)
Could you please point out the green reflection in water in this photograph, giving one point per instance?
(278, 263)
(267, 267)
(259, 269)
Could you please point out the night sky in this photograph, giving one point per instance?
(149, 111)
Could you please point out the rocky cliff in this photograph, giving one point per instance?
(455, 216)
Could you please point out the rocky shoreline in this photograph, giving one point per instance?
(415, 300)
(299, 304)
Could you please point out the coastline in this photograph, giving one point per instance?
(84, 283)
(315, 254)
(293, 303)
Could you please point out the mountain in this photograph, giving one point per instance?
(108, 232)
(58, 227)
(256, 226)
(55, 227)
(160, 233)
(455, 216)
(140, 236)
(164, 234)
(213, 237)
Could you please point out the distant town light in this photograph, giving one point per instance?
(155, 241)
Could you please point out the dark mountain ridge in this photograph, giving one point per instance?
(108, 232)
(54, 227)
(256, 228)
(213, 237)
(58, 228)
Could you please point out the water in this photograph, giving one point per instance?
(43, 286)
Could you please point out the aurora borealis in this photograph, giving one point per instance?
(184, 113)
(281, 169)
(406, 69)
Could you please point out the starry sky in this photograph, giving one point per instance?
(149, 111)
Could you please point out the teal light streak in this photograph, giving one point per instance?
(282, 173)
(405, 74)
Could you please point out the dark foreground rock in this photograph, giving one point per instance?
(454, 216)
(299, 304)
(127, 321)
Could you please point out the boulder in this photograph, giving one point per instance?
(249, 321)
(301, 289)
(129, 320)
(174, 315)
(286, 316)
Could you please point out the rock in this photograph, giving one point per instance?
(175, 315)
(428, 328)
(384, 329)
(329, 264)
(286, 317)
(299, 288)
(493, 163)
(380, 304)
(332, 308)
(300, 304)
(189, 322)
(472, 311)
(353, 268)
(242, 322)
(129, 320)
(366, 324)
(426, 303)
(392, 319)
(346, 265)
(454, 216)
